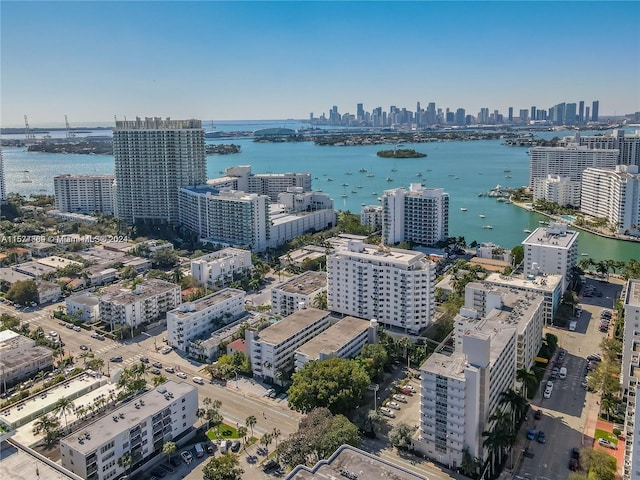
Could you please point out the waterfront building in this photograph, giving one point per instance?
(344, 339)
(627, 144)
(298, 292)
(85, 307)
(630, 376)
(147, 303)
(547, 285)
(3, 185)
(419, 215)
(614, 195)
(20, 358)
(459, 393)
(558, 189)
(272, 350)
(140, 428)
(196, 320)
(490, 250)
(221, 267)
(569, 161)
(233, 218)
(392, 285)
(523, 310)
(153, 159)
(551, 250)
(269, 184)
(85, 194)
(371, 216)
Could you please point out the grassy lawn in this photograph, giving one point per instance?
(606, 435)
(226, 431)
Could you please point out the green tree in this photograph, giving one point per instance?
(164, 258)
(158, 380)
(470, 466)
(8, 322)
(168, 449)
(319, 435)
(225, 467)
(599, 464)
(320, 301)
(611, 348)
(128, 273)
(126, 461)
(518, 404)
(400, 436)
(49, 425)
(250, 422)
(23, 292)
(337, 383)
(242, 433)
(517, 255)
(374, 357)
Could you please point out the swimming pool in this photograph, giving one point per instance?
(569, 218)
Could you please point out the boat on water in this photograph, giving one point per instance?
(482, 216)
(508, 176)
(418, 174)
(487, 227)
(359, 186)
(329, 179)
(374, 193)
(362, 170)
(349, 173)
(344, 195)
(345, 184)
(507, 170)
(456, 178)
(542, 222)
(451, 175)
(526, 230)
(463, 209)
(389, 179)
(354, 191)
(584, 254)
(370, 175)
(394, 169)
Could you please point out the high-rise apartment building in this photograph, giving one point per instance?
(3, 186)
(595, 107)
(627, 145)
(153, 159)
(581, 112)
(394, 286)
(558, 189)
(570, 114)
(460, 117)
(614, 195)
(534, 113)
(419, 215)
(551, 250)
(85, 194)
(221, 267)
(569, 161)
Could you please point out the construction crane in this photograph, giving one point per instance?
(28, 134)
(70, 133)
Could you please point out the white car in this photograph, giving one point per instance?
(53, 334)
(393, 405)
(399, 397)
(547, 393)
(182, 375)
(166, 350)
(549, 385)
(410, 388)
(387, 412)
(198, 380)
(186, 456)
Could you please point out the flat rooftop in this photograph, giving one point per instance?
(285, 328)
(633, 293)
(450, 366)
(228, 252)
(305, 283)
(187, 309)
(553, 235)
(11, 276)
(353, 460)
(382, 254)
(34, 269)
(149, 288)
(544, 282)
(86, 299)
(57, 262)
(153, 401)
(334, 337)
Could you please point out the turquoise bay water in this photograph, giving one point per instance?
(463, 169)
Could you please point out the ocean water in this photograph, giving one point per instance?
(463, 169)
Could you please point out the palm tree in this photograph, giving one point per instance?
(242, 433)
(250, 422)
(275, 433)
(49, 425)
(177, 275)
(200, 413)
(266, 440)
(518, 404)
(126, 461)
(63, 406)
(168, 449)
(529, 381)
(158, 380)
(607, 405)
(603, 269)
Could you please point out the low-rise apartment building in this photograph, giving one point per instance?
(20, 358)
(150, 300)
(298, 292)
(221, 267)
(140, 428)
(196, 320)
(272, 350)
(85, 307)
(344, 339)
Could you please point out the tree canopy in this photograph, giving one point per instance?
(319, 435)
(225, 467)
(337, 383)
(23, 292)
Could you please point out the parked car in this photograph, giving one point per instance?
(166, 350)
(84, 347)
(155, 371)
(144, 360)
(538, 415)
(166, 467)
(175, 461)
(210, 448)
(594, 357)
(169, 370)
(547, 393)
(411, 388)
(531, 434)
(393, 405)
(400, 398)
(541, 437)
(76, 328)
(270, 465)
(182, 375)
(187, 457)
(116, 359)
(387, 412)
(198, 380)
(574, 465)
(607, 444)
(550, 384)
(157, 364)
(235, 445)
(406, 391)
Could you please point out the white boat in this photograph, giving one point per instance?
(482, 216)
(370, 175)
(362, 170)
(344, 195)
(463, 209)
(488, 227)
(374, 193)
(389, 179)
(584, 254)
(526, 230)
(418, 174)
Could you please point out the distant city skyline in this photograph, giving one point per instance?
(278, 60)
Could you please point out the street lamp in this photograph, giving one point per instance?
(375, 387)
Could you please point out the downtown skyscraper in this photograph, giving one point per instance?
(154, 157)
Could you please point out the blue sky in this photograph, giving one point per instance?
(272, 60)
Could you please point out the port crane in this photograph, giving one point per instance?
(70, 133)
(28, 134)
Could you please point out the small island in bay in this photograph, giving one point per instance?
(222, 149)
(401, 153)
